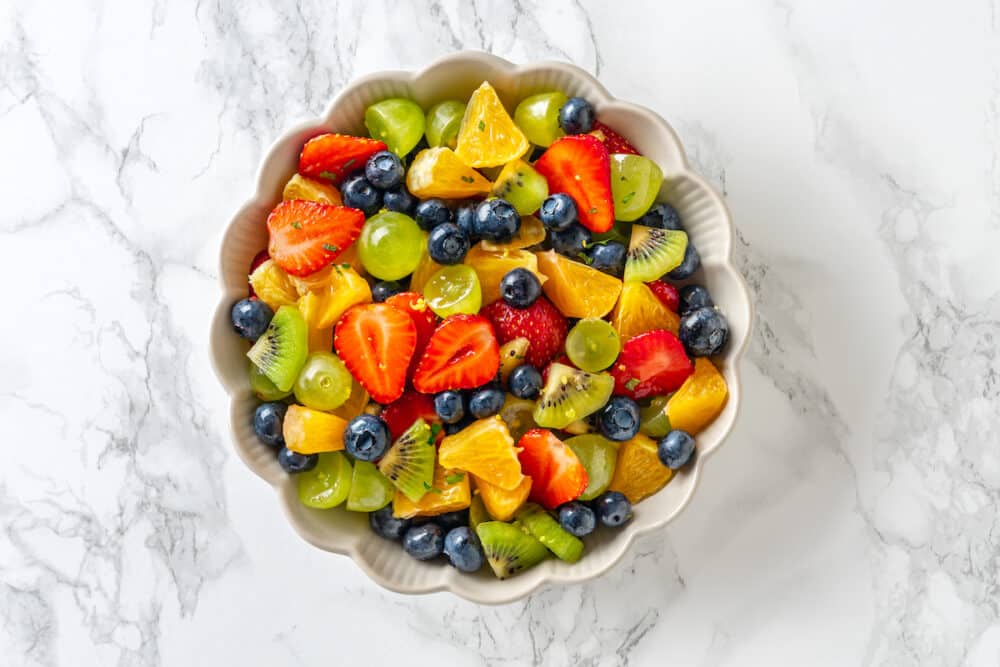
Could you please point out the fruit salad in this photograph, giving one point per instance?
(483, 329)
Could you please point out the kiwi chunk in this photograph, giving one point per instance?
(522, 186)
(281, 352)
(652, 252)
(570, 394)
(263, 388)
(509, 549)
(477, 512)
(409, 463)
(548, 531)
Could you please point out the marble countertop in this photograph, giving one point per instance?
(851, 519)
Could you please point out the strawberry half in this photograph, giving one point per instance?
(614, 142)
(541, 323)
(651, 364)
(333, 156)
(579, 166)
(461, 354)
(557, 475)
(666, 293)
(408, 408)
(423, 318)
(257, 260)
(308, 235)
(376, 342)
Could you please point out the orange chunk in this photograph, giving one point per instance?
(450, 491)
(309, 431)
(576, 289)
(488, 136)
(638, 471)
(273, 286)
(492, 266)
(500, 503)
(301, 187)
(531, 232)
(439, 172)
(327, 294)
(485, 449)
(699, 400)
(638, 311)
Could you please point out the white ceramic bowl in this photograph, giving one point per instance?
(455, 77)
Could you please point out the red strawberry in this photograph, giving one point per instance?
(423, 318)
(614, 142)
(308, 235)
(564, 360)
(666, 293)
(333, 156)
(408, 408)
(557, 476)
(462, 354)
(579, 166)
(541, 323)
(651, 364)
(258, 259)
(376, 342)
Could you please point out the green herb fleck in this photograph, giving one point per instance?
(329, 247)
(348, 163)
(427, 487)
(330, 175)
(468, 179)
(627, 198)
(593, 210)
(586, 259)
(455, 477)
(434, 489)
(435, 429)
(632, 384)
(345, 266)
(482, 126)
(297, 225)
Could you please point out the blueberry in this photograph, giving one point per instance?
(251, 317)
(692, 297)
(576, 116)
(486, 402)
(496, 220)
(704, 331)
(384, 170)
(358, 193)
(525, 381)
(570, 241)
(557, 212)
(451, 520)
(619, 419)
(424, 542)
(293, 462)
(366, 437)
(386, 525)
(663, 216)
(608, 257)
(447, 244)
(465, 217)
(463, 549)
(690, 264)
(432, 212)
(520, 288)
(267, 422)
(613, 508)
(382, 290)
(577, 518)
(399, 199)
(449, 406)
(675, 449)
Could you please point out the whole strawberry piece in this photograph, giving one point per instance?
(541, 323)
(651, 364)
(306, 235)
(666, 293)
(614, 142)
(334, 156)
(579, 166)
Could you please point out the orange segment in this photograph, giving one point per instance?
(492, 266)
(638, 471)
(350, 256)
(309, 431)
(512, 355)
(576, 289)
(638, 311)
(501, 504)
(321, 340)
(300, 187)
(355, 403)
(273, 286)
(450, 491)
(699, 400)
(485, 449)
(438, 172)
(327, 294)
(488, 136)
(532, 231)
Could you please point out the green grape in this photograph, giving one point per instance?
(370, 489)
(522, 186)
(390, 245)
(324, 383)
(653, 420)
(263, 388)
(397, 122)
(538, 117)
(598, 456)
(519, 415)
(635, 182)
(328, 484)
(593, 344)
(454, 289)
(443, 121)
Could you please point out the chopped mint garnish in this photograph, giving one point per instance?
(482, 126)
(297, 225)
(593, 210)
(330, 247)
(455, 477)
(627, 198)
(632, 384)
(468, 179)
(331, 175)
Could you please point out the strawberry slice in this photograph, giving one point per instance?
(651, 364)
(557, 475)
(308, 235)
(563, 359)
(333, 156)
(579, 166)
(666, 293)
(257, 260)
(541, 323)
(614, 142)
(376, 341)
(462, 354)
(408, 408)
(423, 318)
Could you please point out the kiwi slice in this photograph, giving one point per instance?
(409, 463)
(281, 352)
(370, 489)
(652, 252)
(263, 388)
(548, 531)
(509, 549)
(571, 394)
(522, 186)
(477, 512)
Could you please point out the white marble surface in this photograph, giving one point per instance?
(851, 519)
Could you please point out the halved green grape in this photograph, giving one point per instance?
(635, 182)
(598, 456)
(398, 122)
(522, 186)
(538, 117)
(370, 489)
(328, 484)
(518, 414)
(443, 121)
(454, 289)
(263, 388)
(653, 419)
(593, 344)
(324, 383)
(390, 245)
